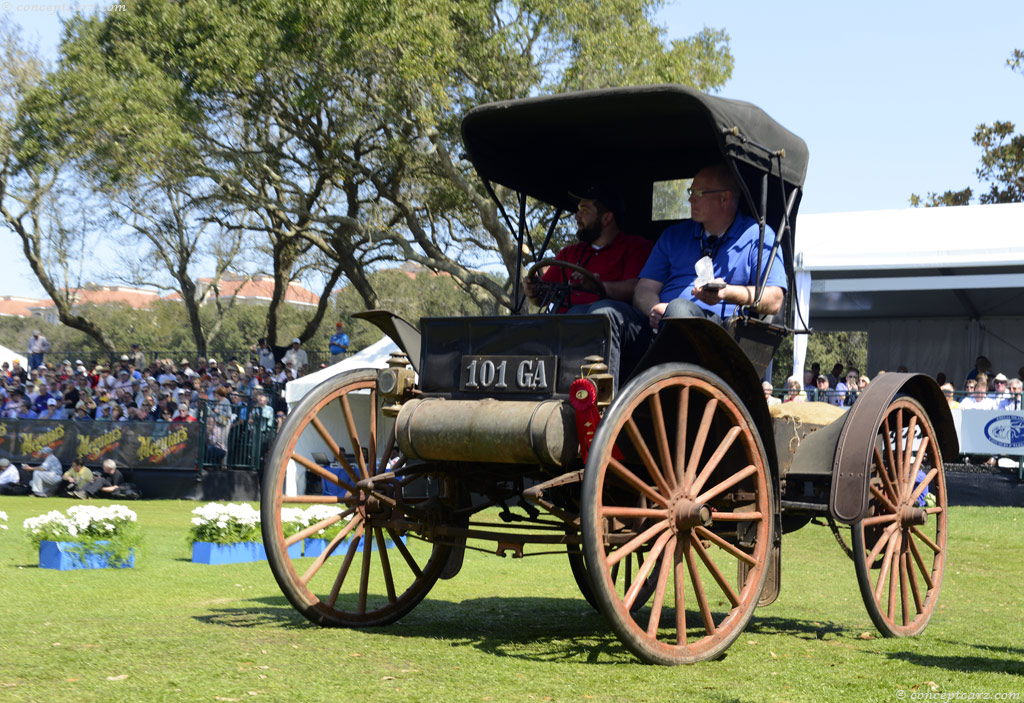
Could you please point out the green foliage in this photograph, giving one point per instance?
(410, 296)
(825, 348)
(332, 135)
(1002, 162)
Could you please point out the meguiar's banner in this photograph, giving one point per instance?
(149, 445)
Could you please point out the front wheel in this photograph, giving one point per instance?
(677, 473)
(361, 567)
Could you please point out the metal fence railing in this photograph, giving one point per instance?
(235, 436)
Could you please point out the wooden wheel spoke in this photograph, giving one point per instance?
(707, 534)
(897, 441)
(645, 455)
(882, 542)
(886, 565)
(894, 571)
(878, 519)
(636, 482)
(659, 590)
(661, 440)
(336, 450)
(323, 473)
(926, 539)
(406, 554)
(385, 565)
(715, 459)
(364, 572)
(628, 511)
(324, 500)
(882, 498)
(644, 571)
(909, 452)
(904, 588)
(679, 581)
(918, 605)
(890, 463)
(752, 516)
(353, 435)
(725, 485)
(331, 546)
(925, 571)
(883, 473)
(680, 457)
(716, 573)
(698, 588)
(632, 545)
(921, 487)
(332, 598)
(316, 527)
(699, 441)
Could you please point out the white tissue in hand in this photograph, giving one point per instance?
(705, 270)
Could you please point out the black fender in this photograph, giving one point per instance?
(403, 333)
(707, 344)
(851, 467)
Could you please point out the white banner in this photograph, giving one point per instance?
(991, 432)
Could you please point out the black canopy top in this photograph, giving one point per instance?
(628, 137)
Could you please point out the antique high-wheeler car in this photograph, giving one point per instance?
(671, 514)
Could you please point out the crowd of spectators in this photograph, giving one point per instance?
(134, 390)
(983, 388)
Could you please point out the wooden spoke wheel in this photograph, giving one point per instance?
(623, 572)
(677, 474)
(900, 548)
(368, 573)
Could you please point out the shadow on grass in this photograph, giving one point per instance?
(275, 612)
(962, 663)
(534, 629)
(804, 629)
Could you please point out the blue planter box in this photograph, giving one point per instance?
(65, 556)
(213, 553)
(315, 547)
(240, 552)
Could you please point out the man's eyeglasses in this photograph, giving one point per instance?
(697, 193)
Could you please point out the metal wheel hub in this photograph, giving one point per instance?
(686, 514)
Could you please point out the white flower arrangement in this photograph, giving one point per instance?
(112, 525)
(225, 524)
(3, 517)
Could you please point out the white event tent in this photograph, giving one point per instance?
(932, 287)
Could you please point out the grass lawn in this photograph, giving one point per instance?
(502, 630)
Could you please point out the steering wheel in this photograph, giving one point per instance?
(558, 293)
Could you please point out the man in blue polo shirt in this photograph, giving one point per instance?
(666, 288)
(729, 238)
(338, 343)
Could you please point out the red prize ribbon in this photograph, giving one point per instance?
(583, 398)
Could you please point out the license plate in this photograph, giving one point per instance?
(508, 374)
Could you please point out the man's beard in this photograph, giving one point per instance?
(588, 233)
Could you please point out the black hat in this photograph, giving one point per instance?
(609, 197)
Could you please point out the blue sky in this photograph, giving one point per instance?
(886, 94)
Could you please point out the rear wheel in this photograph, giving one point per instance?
(677, 473)
(369, 572)
(899, 549)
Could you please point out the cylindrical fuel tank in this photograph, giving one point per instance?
(492, 431)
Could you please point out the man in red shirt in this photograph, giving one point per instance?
(613, 256)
